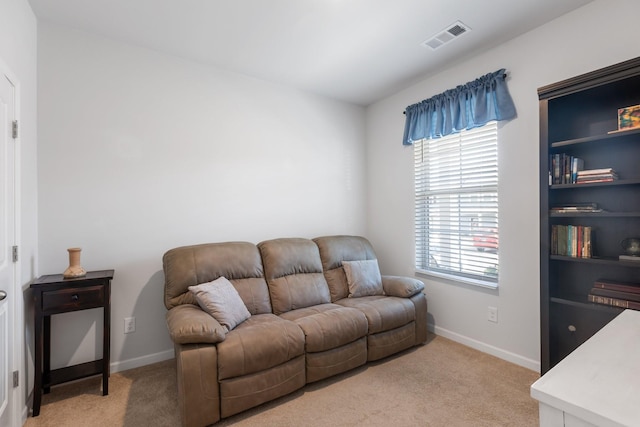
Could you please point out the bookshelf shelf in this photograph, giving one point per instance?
(635, 214)
(579, 119)
(612, 261)
(583, 303)
(596, 138)
(616, 183)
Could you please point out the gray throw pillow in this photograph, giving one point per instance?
(363, 278)
(221, 300)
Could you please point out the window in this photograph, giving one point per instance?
(456, 205)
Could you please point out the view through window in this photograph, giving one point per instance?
(456, 205)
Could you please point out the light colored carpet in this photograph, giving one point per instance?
(441, 383)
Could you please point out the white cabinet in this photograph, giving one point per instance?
(599, 383)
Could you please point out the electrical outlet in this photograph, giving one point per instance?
(129, 325)
(492, 314)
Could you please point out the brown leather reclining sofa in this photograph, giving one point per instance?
(303, 327)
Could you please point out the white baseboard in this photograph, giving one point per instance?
(25, 414)
(125, 365)
(534, 365)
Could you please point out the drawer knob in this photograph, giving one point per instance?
(572, 328)
(74, 297)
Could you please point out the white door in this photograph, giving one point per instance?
(7, 239)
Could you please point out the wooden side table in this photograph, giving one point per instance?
(53, 294)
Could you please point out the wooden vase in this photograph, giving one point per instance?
(74, 269)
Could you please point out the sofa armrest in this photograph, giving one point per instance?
(188, 323)
(404, 287)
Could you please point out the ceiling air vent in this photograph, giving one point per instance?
(445, 36)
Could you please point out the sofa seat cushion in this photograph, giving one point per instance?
(299, 313)
(261, 342)
(329, 326)
(383, 313)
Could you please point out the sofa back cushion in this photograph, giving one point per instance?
(334, 250)
(294, 274)
(239, 262)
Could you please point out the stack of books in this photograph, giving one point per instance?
(571, 240)
(616, 293)
(564, 168)
(576, 208)
(631, 258)
(596, 175)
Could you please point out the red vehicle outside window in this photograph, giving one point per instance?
(486, 240)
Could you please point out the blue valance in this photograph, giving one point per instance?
(467, 106)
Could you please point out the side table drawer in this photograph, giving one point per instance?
(73, 299)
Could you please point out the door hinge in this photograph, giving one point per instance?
(14, 128)
(14, 253)
(16, 379)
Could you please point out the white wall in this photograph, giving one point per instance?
(140, 152)
(592, 37)
(18, 46)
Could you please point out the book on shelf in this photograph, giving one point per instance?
(569, 210)
(629, 296)
(577, 164)
(617, 285)
(564, 168)
(574, 241)
(585, 205)
(596, 181)
(576, 208)
(596, 175)
(596, 171)
(630, 258)
(614, 302)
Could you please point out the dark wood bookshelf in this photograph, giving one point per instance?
(579, 118)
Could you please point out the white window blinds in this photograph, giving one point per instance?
(456, 205)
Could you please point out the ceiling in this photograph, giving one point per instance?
(357, 51)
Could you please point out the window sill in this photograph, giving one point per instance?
(458, 279)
